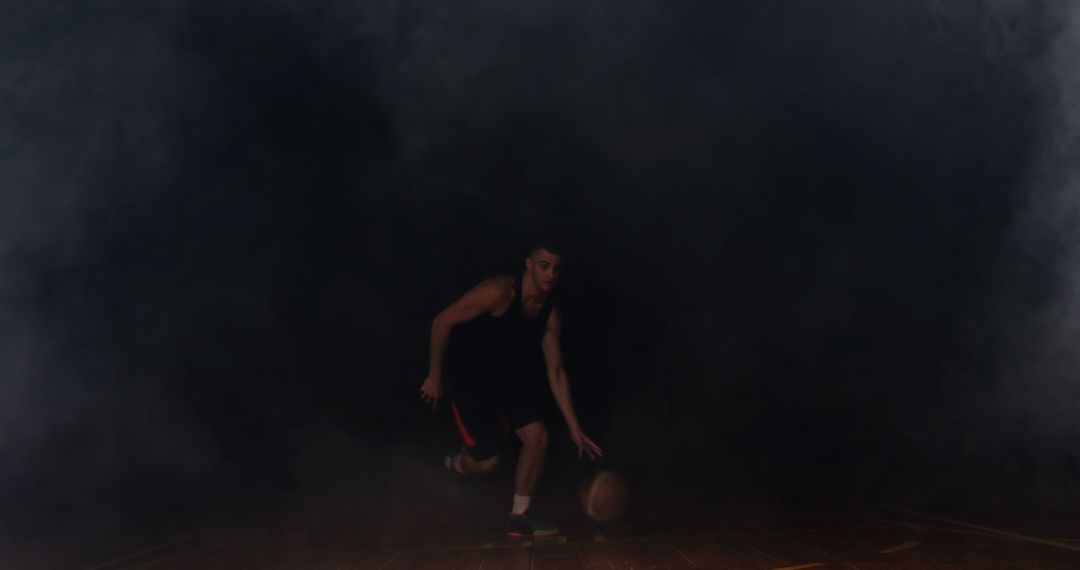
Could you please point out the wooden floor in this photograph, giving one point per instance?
(794, 543)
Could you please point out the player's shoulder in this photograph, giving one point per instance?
(498, 286)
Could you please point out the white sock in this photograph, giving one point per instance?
(521, 504)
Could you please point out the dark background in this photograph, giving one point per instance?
(816, 252)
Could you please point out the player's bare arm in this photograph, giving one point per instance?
(560, 386)
(491, 296)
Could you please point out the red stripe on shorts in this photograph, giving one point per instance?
(461, 426)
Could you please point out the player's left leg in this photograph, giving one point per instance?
(526, 405)
(534, 442)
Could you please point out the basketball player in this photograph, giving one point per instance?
(505, 336)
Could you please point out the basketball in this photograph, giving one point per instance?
(605, 497)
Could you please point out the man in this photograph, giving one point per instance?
(506, 334)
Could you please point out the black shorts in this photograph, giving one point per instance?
(486, 418)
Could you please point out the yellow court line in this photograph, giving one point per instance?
(996, 532)
(900, 547)
(139, 553)
(498, 546)
(387, 563)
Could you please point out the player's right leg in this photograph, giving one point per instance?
(462, 463)
(482, 433)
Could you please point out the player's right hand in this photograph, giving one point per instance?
(431, 390)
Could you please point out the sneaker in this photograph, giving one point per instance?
(448, 461)
(521, 525)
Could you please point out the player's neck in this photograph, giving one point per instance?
(529, 291)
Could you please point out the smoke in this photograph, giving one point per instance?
(1035, 399)
(839, 236)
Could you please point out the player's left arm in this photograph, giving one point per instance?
(560, 386)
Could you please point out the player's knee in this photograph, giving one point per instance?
(536, 438)
(487, 465)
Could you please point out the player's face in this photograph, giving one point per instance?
(543, 269)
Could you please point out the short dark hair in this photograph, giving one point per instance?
(546, 245)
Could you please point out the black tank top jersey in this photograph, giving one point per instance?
(487, 351)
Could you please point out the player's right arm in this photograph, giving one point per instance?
(487, 297)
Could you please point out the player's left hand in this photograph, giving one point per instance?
(585, 445)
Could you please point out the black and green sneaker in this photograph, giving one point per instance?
(521, 525)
